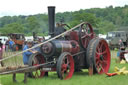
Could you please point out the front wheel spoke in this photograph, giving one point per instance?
(35, 64)
(35, 60)
(64, 66)
(63, 70)
(36, 74)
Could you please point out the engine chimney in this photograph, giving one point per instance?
(51, 20)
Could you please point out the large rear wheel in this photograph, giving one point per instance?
(99, 54)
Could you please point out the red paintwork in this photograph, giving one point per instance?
(73, 35)
(71, 44)
(67, 74)
(102, 51)
(86, 34)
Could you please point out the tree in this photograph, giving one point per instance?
(84, 17)
(32, 24)
(12, 28)
(106, 26)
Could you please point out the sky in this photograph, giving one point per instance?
(31, 7)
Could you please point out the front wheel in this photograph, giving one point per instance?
(36, 59)
(65, 66)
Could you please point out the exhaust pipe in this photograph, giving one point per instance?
(51, 20)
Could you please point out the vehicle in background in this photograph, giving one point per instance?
(115, 37)
(28, 38)
(46, 37)
(3, 39)
(102, 36)
(18, 39)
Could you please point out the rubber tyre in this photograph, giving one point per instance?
(88, 54)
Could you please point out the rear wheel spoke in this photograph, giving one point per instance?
(101, 68)
(104, 52)
(104, 62)
(101, 46)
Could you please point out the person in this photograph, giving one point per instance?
(11, 43)
(121, 49)
(27, 54)
(121, 44)
(1, 52)
(1, 44)
(7, 45)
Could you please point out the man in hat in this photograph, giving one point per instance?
(27, 54)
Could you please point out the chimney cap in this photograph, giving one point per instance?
(51, 6)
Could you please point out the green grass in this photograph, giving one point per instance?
(80, 78)
(14, 61)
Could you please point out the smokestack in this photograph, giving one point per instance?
(51, 20)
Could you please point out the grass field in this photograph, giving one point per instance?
(80, 78)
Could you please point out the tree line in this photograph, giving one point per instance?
(104, 19)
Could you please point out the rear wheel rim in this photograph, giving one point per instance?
(102, 57)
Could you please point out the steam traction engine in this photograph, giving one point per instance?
(77, 49)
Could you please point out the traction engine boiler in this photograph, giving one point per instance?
(75, 50)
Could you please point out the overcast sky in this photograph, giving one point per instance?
(30, 7)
